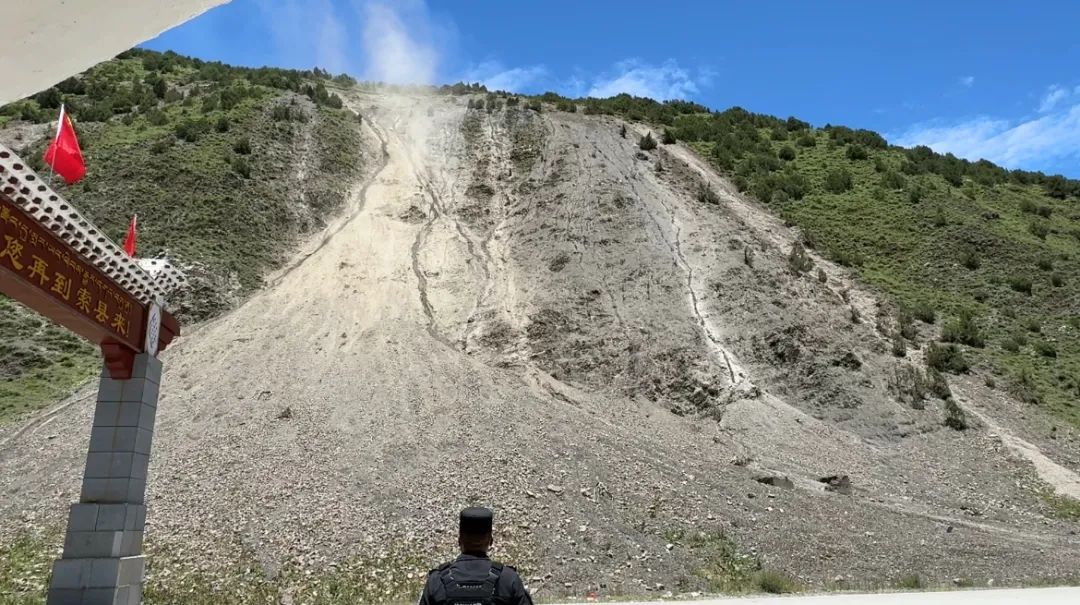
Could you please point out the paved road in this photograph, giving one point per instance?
(1041, 596)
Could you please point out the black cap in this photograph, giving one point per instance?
(476, 520)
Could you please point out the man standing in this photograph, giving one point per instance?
(473, 578)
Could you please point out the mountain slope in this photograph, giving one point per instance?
(522, 309)
(228, 169)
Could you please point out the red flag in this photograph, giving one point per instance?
(129, 241)
(63, 153)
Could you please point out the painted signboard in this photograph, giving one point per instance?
(42, 272)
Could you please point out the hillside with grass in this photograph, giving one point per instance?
(226, 168)
(986, 255)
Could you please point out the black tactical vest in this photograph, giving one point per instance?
(468, 589)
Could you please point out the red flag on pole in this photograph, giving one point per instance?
(63, 153)
(129, 241)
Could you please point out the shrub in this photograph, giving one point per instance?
(1045, 264)
(963, 330)
(1044, 211)
(899, 347)
(937, 385)
(799, 260)
(222, 124)
(1057, 280)
(954, 416)
(775, 583)
(156, 117)
(855, 152)
(160, 88)
(806, 140)
(1039, 230)
(848, 258)
(778, 134)
(668, 138)
(48, 99)
(970, 259)
(162, 145)
(282, 113)
(240, 166)
(72, 86)
(647, 142)
(1020, 284)
(1010, 344)
(786, 153)
(940, 220)
(946, 358)
(622, 127)
(906, 322)
(838, 181)
(172, 96)
(923, 312)
(1021, 339)
(242, 146)
(1023, 387)
(1046, 349)
(191, 129)
(706, 195)
(821, 276)
(912, 582)
(893, 180)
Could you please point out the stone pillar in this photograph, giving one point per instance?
(102, 561)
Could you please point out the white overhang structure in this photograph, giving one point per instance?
(45, 41)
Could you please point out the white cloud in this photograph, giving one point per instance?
(1054, 95)
(1009, 143)
(967, 81)
(660, 82)
(516, 79)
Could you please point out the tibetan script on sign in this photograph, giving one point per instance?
(44, 273)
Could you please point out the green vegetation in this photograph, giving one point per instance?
(647, 142)
(946, 358)
(25, 565)
(912, 582)
(954, 416)
(728, 570)
(1061, 507)
(206, 155)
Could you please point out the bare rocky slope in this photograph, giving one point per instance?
(524, 310)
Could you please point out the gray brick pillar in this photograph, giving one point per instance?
(102, 562)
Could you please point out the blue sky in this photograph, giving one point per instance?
(995, 79)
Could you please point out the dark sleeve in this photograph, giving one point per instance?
(518, 594)
(429, 595)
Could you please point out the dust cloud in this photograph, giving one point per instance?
(397, 41)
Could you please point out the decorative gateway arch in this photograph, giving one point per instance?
(55, 261)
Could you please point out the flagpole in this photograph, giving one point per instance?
(59, 123)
